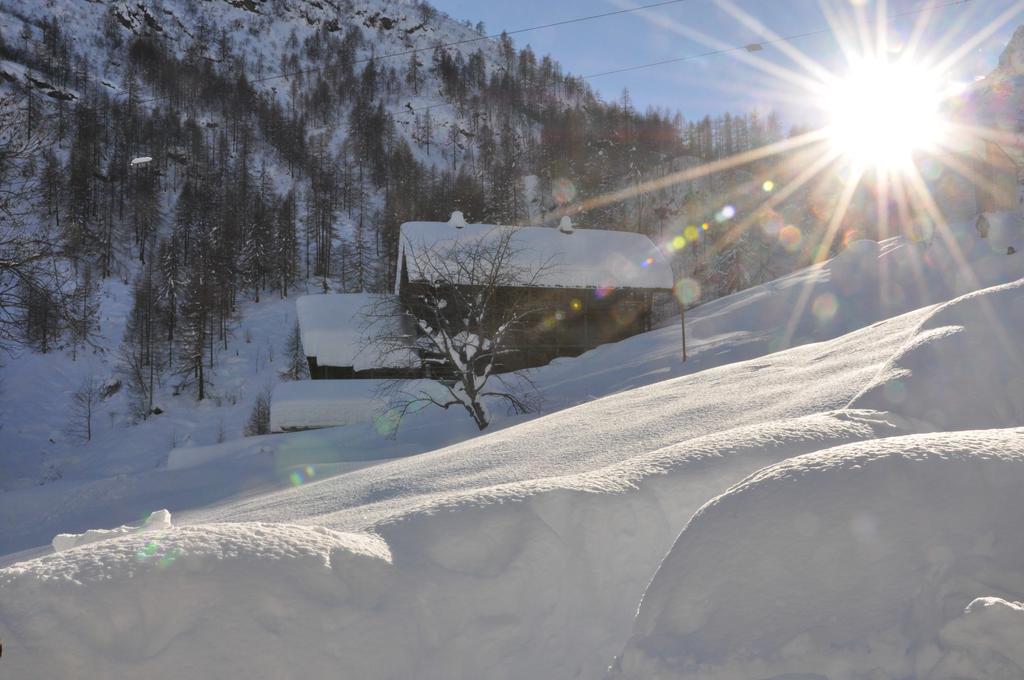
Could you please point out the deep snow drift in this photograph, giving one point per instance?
(55, 486)
(847, 563)
(850, 563)
(524, 552)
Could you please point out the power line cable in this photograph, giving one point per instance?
(757, 46)
(748, 47)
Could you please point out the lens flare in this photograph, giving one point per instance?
(825, 307)
(154, 553)
(563, 191)
(885, 111)
(678, 243)
(302, 475)
(687, 291)
(387, 423)
(791, 238)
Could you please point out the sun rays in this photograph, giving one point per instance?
(891, 132)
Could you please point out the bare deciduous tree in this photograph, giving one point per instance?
(476, 297)
(84, 401)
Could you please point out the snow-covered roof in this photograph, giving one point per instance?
(337, 329)
(584, 258)
(311, 404)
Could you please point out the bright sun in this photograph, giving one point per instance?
(885, 111)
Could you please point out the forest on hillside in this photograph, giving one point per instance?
(261, 184)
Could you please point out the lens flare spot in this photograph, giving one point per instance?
(768, 186)
(678, 243)
(387, 423)
(154, 554)
(601, 292)
(691, 233)
(296, 478)
(687, 291)
(167, 558)
(563, 191)
(772, 224)
(791, 238)
(647, 263)
(559, 315)
(705, 226)
(147, 551)
(575, 305)
(825, 307)
(895, 392)
(725, 214)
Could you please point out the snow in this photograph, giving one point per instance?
(525, 551)
(157, 520)
(845, 563)
(581, 258)
(457, 220)
(311, 404)
(984, 641)
(338, 329)
(974, 342)
(141, 160)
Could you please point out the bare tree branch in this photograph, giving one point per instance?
(473, 297)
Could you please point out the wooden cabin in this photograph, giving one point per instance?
(588, 286)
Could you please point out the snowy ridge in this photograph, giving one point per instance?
(861, 560)
(468, 567)
(975, 388)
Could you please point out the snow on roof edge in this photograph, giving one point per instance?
(585, 258)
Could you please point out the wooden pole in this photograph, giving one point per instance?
(682, 326)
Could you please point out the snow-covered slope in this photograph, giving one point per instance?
(523, 553)
(847, 563)
(124, 473)
(850, 562)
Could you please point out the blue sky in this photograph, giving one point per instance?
(724, 82)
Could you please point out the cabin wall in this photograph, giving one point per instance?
(566, 322)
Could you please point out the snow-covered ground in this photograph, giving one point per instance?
(845, 532)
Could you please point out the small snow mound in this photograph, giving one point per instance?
(457, 219)
(985, 642)
(846, 563)
(157, 520)
(565, 225)
(142, 160)
(962, 369)
(195, 597)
